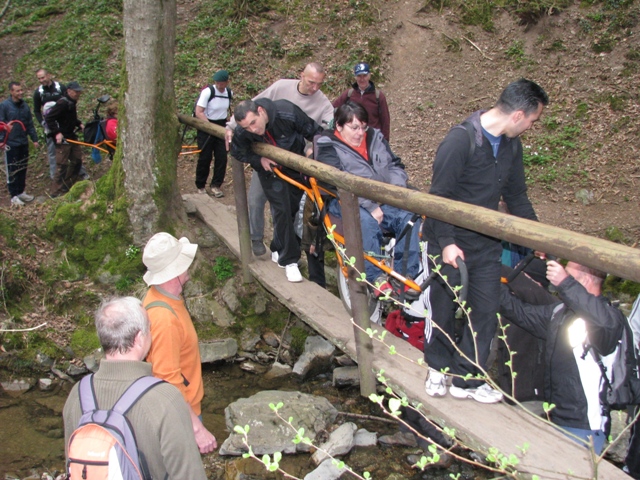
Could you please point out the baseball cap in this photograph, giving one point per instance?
(361, 69)
(221, 76)
(74, 86)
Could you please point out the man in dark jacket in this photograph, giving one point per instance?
(479, 173)
(285, 125)
(578, 331)
(16, 145)
(62, 122)
(363, 91)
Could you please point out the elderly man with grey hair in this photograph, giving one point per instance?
(160, 418)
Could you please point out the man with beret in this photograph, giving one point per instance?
(62, 121)
(364, 92)
(213, 106)
(174, 353)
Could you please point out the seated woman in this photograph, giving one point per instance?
(355, 148)
(111, 123)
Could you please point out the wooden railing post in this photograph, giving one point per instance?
(242, 214)
(358, 291)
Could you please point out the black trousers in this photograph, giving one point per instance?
(211, 147)
(285, 201)
(17, 161)
(632, 462)
(483, 299)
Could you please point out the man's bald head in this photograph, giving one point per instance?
(311, 78)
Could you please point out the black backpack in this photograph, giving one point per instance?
(212, 95)
(622, 381)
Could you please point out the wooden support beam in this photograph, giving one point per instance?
(242, 212)
(358, 292)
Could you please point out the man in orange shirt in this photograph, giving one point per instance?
(174, 354)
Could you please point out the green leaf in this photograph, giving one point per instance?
(394, 404)
(277, 456)
(240, 430)
(366, 475)
(245, 455)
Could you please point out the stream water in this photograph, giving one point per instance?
(32, 437)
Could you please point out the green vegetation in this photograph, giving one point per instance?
(223, 268)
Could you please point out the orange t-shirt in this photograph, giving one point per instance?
(174, 354)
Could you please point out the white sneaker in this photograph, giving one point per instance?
(202, 191)
(435, 385)
(275, 257)
(15, 201)
(293, 273)
(25, 197)
(483, 394)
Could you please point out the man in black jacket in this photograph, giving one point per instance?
(62, 122)
(478, 163)
(285, 125)
(16, 145)
(580, 329)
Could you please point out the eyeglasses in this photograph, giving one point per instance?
(355, 128)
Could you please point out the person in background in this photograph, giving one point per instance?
(160, 418)
(111, 122)
(479, 162)
(579, 330)
(62, 122)
(174, 353)
(48, 91)
(283, 124)
(15, 140)
(213, 106)
(306, 94)
(363, 91)
(355, 148)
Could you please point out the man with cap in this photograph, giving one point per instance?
(174, 353)
(15, 141)
(363, 91)
(62, 121)
(213, 106)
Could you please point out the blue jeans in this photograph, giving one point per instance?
(394, 221)
(586, 435)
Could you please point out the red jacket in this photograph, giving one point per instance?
(377, 108)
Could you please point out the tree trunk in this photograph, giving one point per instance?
(148, 127)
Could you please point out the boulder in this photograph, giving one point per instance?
(45, 384)
(215, 350)
(267, 433)
(230, 295)
(364, 438)
(316, 358)
(340, 443)
(92, 361)
(346, 377)
(325, 471)
(18, 386)
(277, 370)
(205, 309)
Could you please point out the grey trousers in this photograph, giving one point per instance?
(257, 200)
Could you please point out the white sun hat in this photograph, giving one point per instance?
(167, 257)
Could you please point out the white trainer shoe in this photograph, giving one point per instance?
(15, 201)
(293, 273)
(275, 257)
(25, 197)
(435, 385)
(483, 394)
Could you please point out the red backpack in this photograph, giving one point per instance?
(411, 331)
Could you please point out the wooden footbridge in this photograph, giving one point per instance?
(550, 454)
(540, 448)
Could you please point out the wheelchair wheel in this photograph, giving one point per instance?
(373, 305)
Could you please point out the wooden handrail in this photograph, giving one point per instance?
(604, 255)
